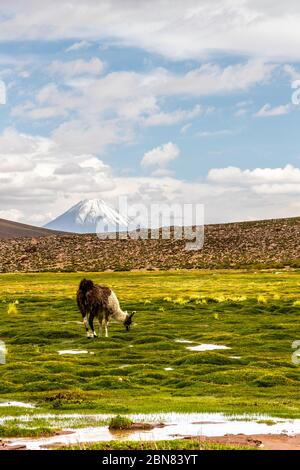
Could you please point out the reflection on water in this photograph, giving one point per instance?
(206, 347)
(178, 425)
(18, 404)
(73, 351)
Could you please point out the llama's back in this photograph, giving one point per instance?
(100, 295)
(102, 299)
(106, 299)
(112, 305)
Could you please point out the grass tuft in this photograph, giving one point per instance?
(12, 308)
(120, 422)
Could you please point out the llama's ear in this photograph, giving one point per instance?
(132, 313)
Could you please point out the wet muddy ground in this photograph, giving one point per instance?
(257, 431)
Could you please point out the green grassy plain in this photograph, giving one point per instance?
(253, 313)
(176, 444)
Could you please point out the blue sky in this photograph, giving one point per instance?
(184, 102)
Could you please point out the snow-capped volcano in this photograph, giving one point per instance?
(89, 216)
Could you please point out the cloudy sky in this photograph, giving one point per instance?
(174, 101)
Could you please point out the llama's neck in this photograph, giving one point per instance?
(114, 306)
(119, 315)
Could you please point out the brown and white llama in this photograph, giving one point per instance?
(100, 302)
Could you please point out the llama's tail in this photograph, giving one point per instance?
(85, 285)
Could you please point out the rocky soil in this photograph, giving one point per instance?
(272, 243)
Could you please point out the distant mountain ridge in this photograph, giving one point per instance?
(258, 244)
(10, 229)
(89, 216)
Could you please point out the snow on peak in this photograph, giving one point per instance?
(90, 216)
(90, 211)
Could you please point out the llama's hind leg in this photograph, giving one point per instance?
(86, 325)
(91, 323)
(100, 319)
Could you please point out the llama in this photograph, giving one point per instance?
(96, 301)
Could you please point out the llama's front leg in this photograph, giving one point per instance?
(100, 327)
(106, 329)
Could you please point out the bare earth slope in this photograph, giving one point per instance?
(271, 243)
(9, 229)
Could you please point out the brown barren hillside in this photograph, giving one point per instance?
(271, 243)
(9, 229)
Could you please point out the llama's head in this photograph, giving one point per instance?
(128, 320)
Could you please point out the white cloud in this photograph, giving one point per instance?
(135, 96)
(161, 156)
(100, 111)
(241, 112)
(228, 194)
(2, 92)
(243, 104)
(9, 164)
(216, 133)
(175, 29)
(209, 79)
(291, 72)
(92, 137)
(76, 67)
(174, 117)
(185, 128)
(259, 176)
(277, 189)
(58, 179)
(78, 45)
(267, 110)
(163, 172)
(14, 144)
(11, 214)
(36, 173)
(37, 113)
(243, 107)
(24, 74)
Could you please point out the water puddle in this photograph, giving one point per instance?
(18, 404)
(206, 347)
(183, 341)
(74, 351)
(178, 425)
